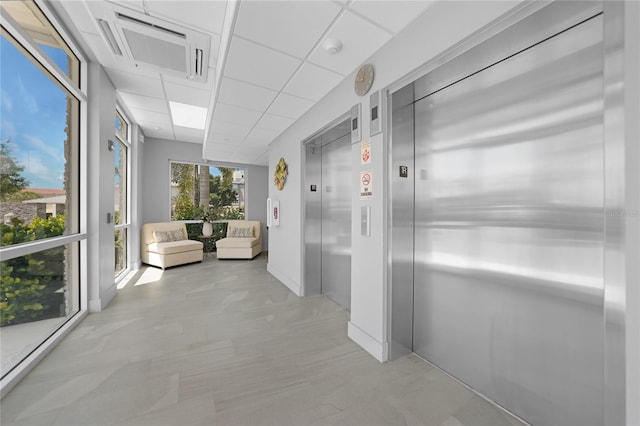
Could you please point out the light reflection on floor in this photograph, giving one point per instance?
(141, 277)
(150, 275)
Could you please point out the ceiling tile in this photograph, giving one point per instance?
(158, 132)
(360, 39)
(195, 84)
(187, 95)
(299, 24)
(236, 131)
(216, 140)
(250, 141)
(141, 115)
(237, 115)
(312, 82)
(207, 16)
(145, 103)
(263, 134)
(255, 151)
(245, 95)
(147, 84)
(274, 122)
(226, 148)
(263, 160)
(102, 52)
(259, 65)
(189, 135)
(81, 17)
(244, 158)
(131, 4)
(290, 106)
(392, 15)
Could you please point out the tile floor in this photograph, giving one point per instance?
(224, 343)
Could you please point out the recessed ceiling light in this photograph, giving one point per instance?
(185, 115)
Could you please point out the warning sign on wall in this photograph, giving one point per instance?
(366, 185)
(365, 152)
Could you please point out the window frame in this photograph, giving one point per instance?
(127, 225)
(40, 59)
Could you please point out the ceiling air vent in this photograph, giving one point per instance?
(153, 43)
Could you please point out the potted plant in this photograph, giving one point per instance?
(207, 226)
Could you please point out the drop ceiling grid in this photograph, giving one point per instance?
(299, 24)
(258, 98)
(357, 24)
(262, 134)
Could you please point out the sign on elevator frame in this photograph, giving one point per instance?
(365, 152)
(366, 185)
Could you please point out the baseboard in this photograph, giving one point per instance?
(284, 279)
(97, 305)
(377, 349)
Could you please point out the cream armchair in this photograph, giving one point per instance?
(243, 241)
(165, 244)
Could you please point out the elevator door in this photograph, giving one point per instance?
(508, 228)
(328, 215)
(336, 221)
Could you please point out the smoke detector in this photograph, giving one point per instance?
(332, 45)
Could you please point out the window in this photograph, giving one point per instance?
(199, 189)
(39, 182)
(121, 190)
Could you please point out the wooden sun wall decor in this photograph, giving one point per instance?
(280, 174)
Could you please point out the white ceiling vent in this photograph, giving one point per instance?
(153, 43)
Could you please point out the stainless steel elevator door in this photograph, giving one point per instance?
(336, 220)
(509, 230)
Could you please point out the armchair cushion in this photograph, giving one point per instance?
(167, 236)
(240, 232)
(243, 241)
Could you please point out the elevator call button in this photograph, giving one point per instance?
(404, 171)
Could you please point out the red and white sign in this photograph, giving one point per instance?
(366, 185)
(365, 152)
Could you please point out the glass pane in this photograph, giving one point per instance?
(39, 151)
(121, 250)
(37, 26)
(122, 128)
(203, 192)
(38, 293)
(120, 189)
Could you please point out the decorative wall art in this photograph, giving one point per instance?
(280, 174)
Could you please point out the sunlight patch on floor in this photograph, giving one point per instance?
(150, 275)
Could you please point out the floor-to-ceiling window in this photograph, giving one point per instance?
(40, 205)
(121, 191)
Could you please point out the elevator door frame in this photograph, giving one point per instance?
(308, 288)
(615, 186)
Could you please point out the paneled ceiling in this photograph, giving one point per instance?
(265, 64)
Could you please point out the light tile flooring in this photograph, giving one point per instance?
(224, 343)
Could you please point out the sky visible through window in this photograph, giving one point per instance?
(33, 115)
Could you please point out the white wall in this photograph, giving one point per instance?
(156, 178)
(444, 24)
(256, 193)
(101, 162)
